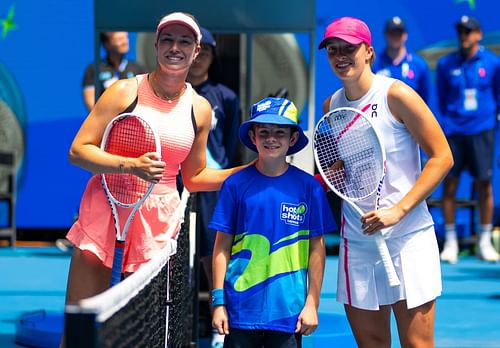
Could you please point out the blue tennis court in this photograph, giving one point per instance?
(34, 279)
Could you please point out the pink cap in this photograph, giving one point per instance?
(179, 18)
(349, 29)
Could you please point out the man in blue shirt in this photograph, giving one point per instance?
(399, 63)
(113, 67)
(468, 83)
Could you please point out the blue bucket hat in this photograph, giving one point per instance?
(279, 111)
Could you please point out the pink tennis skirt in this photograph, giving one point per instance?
(157, 220)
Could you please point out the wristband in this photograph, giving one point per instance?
(218, 297)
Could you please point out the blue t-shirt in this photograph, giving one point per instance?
(272, 220)
(468, 91)
(412, 70)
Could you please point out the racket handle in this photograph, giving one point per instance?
(116, 271)
(386, 260)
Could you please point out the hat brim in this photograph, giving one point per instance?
(395, 28)
(353, 40)
(272, 119)
(460, 25)
(181, 19)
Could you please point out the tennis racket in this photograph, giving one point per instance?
(127, 135)
(350, 157)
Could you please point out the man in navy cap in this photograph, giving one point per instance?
(468, 86)
(221, 145)
(398, 62)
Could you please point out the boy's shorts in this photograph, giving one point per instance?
(363, 282)
(246, 338)
(474, 153)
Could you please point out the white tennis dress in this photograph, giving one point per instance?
(412, 242)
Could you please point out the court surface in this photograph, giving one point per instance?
(467, 315)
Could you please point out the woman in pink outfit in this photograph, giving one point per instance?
(183, 120)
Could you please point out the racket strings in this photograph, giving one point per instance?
(349, 154)
(129, 137)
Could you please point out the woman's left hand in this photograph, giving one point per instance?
(377, 220)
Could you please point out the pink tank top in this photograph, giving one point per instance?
(159, 218)
(174, 124)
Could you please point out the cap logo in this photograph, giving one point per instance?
(264, 106)
(397, 20)
(290, 112)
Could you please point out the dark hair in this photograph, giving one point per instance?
(104, 37)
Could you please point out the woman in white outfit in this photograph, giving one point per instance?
(406, 123)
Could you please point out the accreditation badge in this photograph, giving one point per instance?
(470, 100)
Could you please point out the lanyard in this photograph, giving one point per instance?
(121, 68)
(474, 81)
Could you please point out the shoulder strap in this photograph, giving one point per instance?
(193, 120)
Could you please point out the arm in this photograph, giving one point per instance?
(424, 84)
(441, 87)
(326, 104)
(220, 260)
(308, 318)
(195, 175)
(88, 89)
(496, 85)
(85, 150)
(88, 94)
(407, 106)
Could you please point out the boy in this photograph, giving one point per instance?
(269, 253)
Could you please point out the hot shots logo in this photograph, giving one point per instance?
(293, 214)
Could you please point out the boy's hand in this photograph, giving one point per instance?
(220, 320)
(307, 321)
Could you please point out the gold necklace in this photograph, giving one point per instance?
(169, 99)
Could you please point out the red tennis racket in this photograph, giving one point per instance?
(127, 135)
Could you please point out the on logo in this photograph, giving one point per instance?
(374, 110)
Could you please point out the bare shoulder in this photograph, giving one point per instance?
(400, 92)
(326, 104)
(403, 100)
(118, 96)
(125, 89)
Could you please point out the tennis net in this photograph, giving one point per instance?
(151, 308)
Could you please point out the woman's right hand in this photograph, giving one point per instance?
(148, 167)
(220, 320)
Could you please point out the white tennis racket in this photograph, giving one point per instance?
(350, 156)
(127, 135)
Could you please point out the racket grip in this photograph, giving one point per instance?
(116, 271)
(386, 260)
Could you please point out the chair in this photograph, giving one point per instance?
(8, 196)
